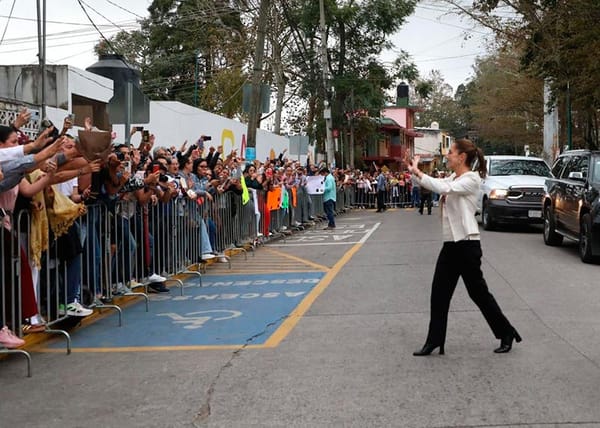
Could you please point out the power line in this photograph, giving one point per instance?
(91, 80)
(20, 18)
(110, 45)
(98, 13)
(126, 10)
(53, 37)
(8, 21)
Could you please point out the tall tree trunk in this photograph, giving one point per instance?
(279, 76)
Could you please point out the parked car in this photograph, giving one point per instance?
(572, 204)
(513, 190)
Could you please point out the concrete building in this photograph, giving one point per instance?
(432, 146)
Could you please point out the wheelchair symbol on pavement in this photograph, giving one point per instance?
(196, 320)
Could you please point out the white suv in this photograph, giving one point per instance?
(513, 190)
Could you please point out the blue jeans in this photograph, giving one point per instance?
(126, 251)
(205, 246)
(73, 279)
(416, 196)
(212, 232)
(92, 247)
(329, 206)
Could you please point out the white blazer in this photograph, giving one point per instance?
(461, 201)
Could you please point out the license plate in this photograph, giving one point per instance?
(535, 214)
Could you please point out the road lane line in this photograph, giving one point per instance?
(320, 244)
(298, 259)
(294, 317)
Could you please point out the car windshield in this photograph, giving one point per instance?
(519, 167)
(596, 169)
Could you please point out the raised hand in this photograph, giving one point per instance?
(87, 123)
(95, 165)
(22, 118)
(43, 138)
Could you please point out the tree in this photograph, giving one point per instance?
(507, 105)
(189, 44)
(357, 32)
(438, 104)
(559, 43)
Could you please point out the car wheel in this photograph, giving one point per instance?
(486, 218)
(585, 240)
(550, 236)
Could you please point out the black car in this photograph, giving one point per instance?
(572, 203)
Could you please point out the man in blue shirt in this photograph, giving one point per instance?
(329, 197)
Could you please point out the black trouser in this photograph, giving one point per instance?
(425, 198)
(380, 200)
(462, 258)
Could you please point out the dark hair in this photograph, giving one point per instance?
(247, 168)
(474, 154)
(5, 132)
(183, 160)
(196, 163)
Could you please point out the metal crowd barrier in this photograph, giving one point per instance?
(49, 272)
(10, 292)
(122, 242)
(174, 234)
(395, 197)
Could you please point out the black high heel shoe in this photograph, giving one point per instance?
(427, 349)
(506, 342)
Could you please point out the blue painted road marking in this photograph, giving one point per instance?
(227, 310)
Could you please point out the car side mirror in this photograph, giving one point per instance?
(576, 175)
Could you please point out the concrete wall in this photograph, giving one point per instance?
(429, 144)
(173, 122)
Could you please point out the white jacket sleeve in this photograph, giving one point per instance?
(467, 183)
(11, 153)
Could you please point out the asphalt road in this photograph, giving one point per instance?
(348, 361)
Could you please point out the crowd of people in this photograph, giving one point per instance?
(61, 189)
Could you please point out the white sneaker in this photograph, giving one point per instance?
(208, 256)
(120, 289)
(134, 284)
(156, 278)
(75, 309)
(223, 259)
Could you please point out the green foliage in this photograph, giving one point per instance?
(507, 104)
(437, 104)
(357, 33)
(559, 41)
(189, 43)
(208, 43)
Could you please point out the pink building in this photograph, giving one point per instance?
(397, 137)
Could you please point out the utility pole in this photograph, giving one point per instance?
(41, 24)
(326, 102)
(551, 127)
(196, 55)
(569, 119)
(255, 104)
(351, 145)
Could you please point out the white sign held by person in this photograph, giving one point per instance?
(315, 185)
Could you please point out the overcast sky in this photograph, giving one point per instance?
(434, 39)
